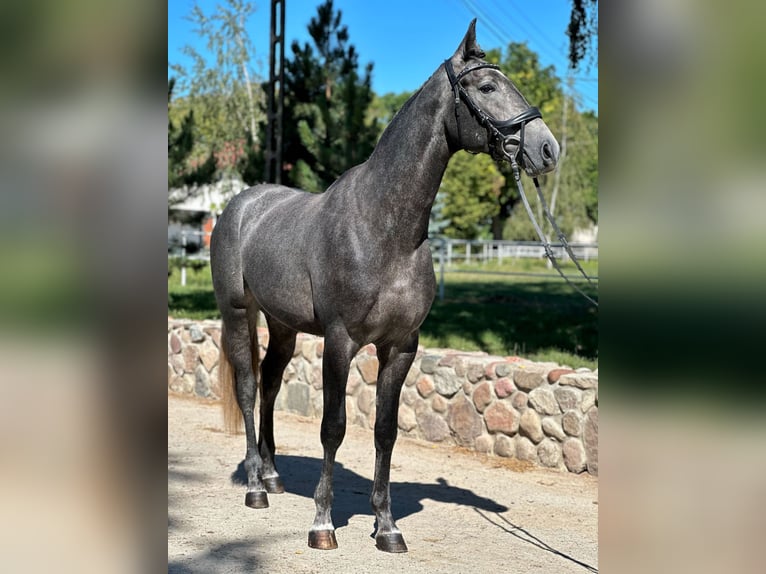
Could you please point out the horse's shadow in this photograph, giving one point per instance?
(352, 491)
(352, 497)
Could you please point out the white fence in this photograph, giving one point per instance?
(446, 252)
(467, 251)
(189, 246)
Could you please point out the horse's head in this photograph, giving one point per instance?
(492, 116)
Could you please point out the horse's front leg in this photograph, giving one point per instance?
(338, 352)
(395, 362)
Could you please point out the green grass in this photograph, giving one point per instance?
(536, 318)
(195, 300)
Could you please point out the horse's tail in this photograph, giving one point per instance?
(232, 415)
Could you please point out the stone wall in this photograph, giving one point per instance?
(507, 406)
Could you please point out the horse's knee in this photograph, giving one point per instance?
(385, 433)
(333, 430)
(385, 441)
(333, 438)
(270, 391)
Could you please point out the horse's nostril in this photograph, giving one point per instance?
(547, 152)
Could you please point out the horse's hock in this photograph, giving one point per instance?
(511, 407)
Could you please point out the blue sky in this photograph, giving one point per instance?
(408, 39)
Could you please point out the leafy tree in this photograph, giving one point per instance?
(470, 188)
(225, 93)
(591, 170)
(437, 222)
(582, 30)
(584, 154)
(326, 129)
(180, 145)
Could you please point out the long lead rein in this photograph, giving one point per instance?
(546, 245)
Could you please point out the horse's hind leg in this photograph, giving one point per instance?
(278, 355)
(339, 350)
(394, 362)
(242, 346)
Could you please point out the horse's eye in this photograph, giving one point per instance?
(487, 88)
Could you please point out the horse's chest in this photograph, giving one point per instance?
(402, 302)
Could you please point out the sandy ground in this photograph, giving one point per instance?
(459, 511)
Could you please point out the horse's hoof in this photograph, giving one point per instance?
(274, 485)
(322, 539)
(257, 499)
(391, 542)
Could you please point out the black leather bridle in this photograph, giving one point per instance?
(502, 136)
(501, 133)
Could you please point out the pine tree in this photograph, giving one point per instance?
(251, 165)
(326, 105)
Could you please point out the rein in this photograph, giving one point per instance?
(541, 235)
(501, 136)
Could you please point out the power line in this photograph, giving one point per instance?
(499, 31)
(575, 92)
(541, 36)
(486, 21)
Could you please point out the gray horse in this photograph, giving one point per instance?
(353, 265)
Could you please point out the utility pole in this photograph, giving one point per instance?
(276, 93)
(563, 149)
(559, 165)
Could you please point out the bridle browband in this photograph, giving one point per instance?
(501, 136)
(501, 132)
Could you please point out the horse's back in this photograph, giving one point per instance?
(253, 202)
(251, 208)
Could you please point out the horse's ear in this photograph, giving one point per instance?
(468, 47)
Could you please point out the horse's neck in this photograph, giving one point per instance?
(405, 170)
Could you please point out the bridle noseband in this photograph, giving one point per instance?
(502, 133)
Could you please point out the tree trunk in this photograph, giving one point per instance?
(498, 223)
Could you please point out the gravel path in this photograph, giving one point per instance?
(458, 511)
